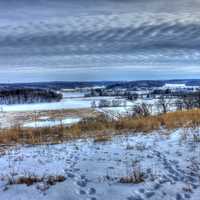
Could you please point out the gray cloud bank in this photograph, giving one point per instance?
(85, 40)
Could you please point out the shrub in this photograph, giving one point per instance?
(31, 179)
(136, 175)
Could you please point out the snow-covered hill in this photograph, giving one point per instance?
(93, 170)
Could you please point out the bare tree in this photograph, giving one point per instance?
(189, 102)
(179, 104)
(104, 103)
(93, 104)
(141, 110)
(163, 104)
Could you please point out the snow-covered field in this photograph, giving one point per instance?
(116, 112)
(68, 102)
(169, 163)
(71, 100)
(12, 115)
(72, 94)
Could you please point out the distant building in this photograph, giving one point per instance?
(179, 87)
(174, 86)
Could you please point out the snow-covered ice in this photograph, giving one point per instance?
(51, 122)
(64, 104)
(72, 94)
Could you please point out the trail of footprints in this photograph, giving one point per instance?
(79, 179)
(172, 174)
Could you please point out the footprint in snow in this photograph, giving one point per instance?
(92, 191)
(82, 183)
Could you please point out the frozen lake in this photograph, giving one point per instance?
(70, 101)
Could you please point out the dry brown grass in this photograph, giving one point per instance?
(143, 124)
(172, 120)
(103, 138)
(100, 127)
(189, 118)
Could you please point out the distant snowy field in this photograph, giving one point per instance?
(64, 104)
(72, 100)
(170, 164)
(69, 101)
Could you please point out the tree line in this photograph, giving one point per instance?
(28, 95)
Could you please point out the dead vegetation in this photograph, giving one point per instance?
(135, 174)
(32, 179)
(100, 127)
(135, 178)
(102, 138)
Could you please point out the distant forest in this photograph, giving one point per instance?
(109, 84)
(153, 83)
(28, 95)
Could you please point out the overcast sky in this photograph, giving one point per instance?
(87, 40)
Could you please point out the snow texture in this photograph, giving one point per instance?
(170, 164)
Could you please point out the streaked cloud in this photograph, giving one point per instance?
(71, 38)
